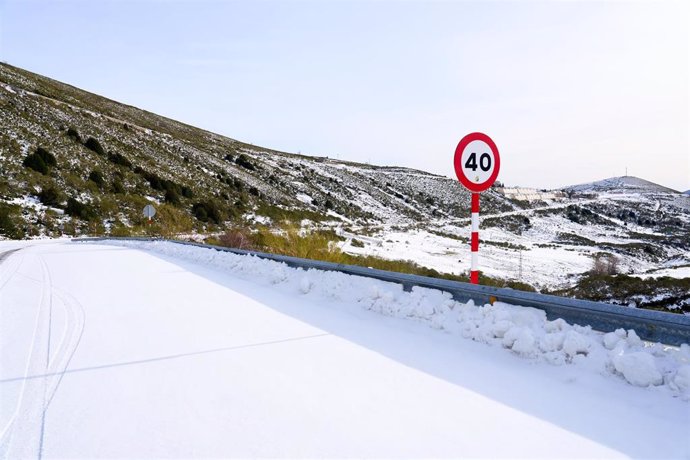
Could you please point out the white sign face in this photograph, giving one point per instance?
(149, 211)
(477, 162)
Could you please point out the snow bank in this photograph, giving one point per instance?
(525, 331)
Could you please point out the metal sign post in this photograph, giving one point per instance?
(477, 163)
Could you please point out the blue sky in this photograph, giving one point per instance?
(570, 91)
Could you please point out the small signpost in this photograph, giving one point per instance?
(149, 212)
(477, 163)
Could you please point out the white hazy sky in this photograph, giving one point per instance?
(570, 91)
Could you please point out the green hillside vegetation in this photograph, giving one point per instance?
(652, 293)
(290, 240)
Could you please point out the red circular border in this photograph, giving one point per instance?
(458, 160)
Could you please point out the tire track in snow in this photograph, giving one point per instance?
(14, 264)
(23, 435)
(70, 340)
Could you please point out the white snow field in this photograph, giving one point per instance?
(140, 350)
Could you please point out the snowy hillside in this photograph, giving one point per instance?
(75, 163)
(550, 244)
(158, 350)
(141, 157)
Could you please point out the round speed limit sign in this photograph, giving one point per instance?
(477, 162)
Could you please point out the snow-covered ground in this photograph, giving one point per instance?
(674, 272)
(160, 350)
(537, 256)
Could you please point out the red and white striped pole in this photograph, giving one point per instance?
(476, 163)
(474, 243)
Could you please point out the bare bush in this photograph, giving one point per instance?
(605, 264)
(237, 238)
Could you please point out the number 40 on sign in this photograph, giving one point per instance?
(477, 163)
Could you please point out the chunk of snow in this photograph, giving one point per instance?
(633, 339)
(305, 285)
(611, 339)
(575, 343)
(521, 341)
(681, 381)
(638, 368)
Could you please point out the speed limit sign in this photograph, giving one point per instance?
(477, 162)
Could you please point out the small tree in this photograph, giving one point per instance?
(605, 264)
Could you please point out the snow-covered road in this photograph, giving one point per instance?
(110, 351)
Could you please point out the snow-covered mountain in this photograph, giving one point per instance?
(621, 184)
(76, 163)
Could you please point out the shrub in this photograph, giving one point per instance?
(36, 163)
(8, 228)
(120, 230)
(164, 185)
(604, 264)
(187, 192)
(239, 238)
(95, 146)
(172, 197)
(239, 186)
(207, 211)
(49, 196)
(117, 187)
(356, 243)
(291, 242)
(171, 221)
(244, 161)
(80, 210)
(74, 134)
(41, 161)
(119, 159)
(97, 178)
(277, 214)
(658, 293)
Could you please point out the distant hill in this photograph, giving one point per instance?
(623, 183)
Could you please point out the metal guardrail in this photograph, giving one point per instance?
(654, 326)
